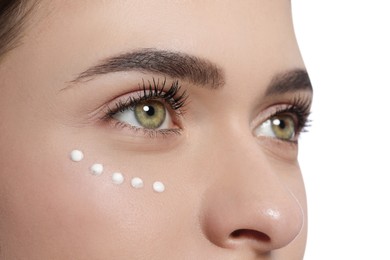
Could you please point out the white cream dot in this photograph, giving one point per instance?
(158, 186)
(97, 169)
(137, 182)
(76, 155)
(117, 178)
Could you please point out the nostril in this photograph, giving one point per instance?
(250, 234)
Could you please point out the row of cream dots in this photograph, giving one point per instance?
(117, 177)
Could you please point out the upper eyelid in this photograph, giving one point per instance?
(172, 92)
(129, 102)
(156, 89)
(267, 114)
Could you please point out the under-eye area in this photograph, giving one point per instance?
(117, 178)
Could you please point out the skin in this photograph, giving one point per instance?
(52, 208)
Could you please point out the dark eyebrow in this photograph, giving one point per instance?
(290, 81)
(191, 68)
(173, 64)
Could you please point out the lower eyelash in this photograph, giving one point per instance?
(149, 132)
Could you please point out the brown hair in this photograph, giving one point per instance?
(13, 15)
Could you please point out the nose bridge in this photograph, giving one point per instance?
(248, 203)
(237, 155)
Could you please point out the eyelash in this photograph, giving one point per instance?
(152, 90)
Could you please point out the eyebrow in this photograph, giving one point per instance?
(290, 81)
(173, 64)
(196, 70)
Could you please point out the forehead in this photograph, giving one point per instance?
(169, 23)
(257, 34)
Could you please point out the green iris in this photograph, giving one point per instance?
(283, 127)
(150, 114)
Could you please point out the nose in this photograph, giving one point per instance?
(248, 204)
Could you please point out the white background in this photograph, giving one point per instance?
(345, 157)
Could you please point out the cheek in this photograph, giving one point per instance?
(46, 196)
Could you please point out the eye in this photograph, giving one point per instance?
(281, 126)
(155, 110)
(149, 114)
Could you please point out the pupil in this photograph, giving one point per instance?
(149, 110)
(282, 124)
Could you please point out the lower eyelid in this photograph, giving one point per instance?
(124, 129)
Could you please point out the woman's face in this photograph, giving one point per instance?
(207, 98)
